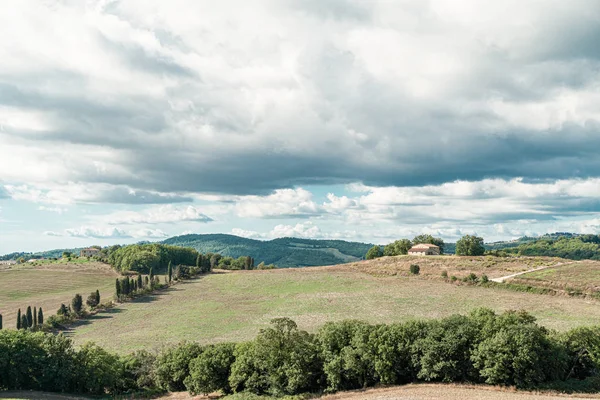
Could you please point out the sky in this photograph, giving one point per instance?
(123, 121)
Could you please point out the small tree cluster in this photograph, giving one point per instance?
(470, 245)
(30, 319)
(415, 269)
(93, 299)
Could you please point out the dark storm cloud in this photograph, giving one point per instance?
(233, 120)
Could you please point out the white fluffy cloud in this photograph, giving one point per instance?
(95, 232)
(157, 215)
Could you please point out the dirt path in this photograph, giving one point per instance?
(504, 278)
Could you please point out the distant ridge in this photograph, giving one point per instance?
(283, 252)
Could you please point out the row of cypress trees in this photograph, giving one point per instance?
(29, 319)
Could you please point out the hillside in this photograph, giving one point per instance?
(235, 305)
(283, 252)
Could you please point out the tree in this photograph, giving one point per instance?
(170, 271)
(0, 321)
(118, 288)
(24, 321)
(209, 372)
(151, 275)
(470, 245)
(62, 310)
(397, 248)
(140, 282)
(29, 317)
(67, 254)
(19, 319)
(214, 261)
(248, 263)
(40, 316)
(91, 300)
(35, 316)
(429, 239)
(77, 303)
(97, 296)
(374, 252)
(199, 262)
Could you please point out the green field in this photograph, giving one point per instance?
(234, 306)
(49, 284)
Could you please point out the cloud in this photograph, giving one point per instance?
(97, 233)
(57, 210)
(110, 233)
(52, 233)
(158, 215)
(72, 193)
(152, 101)
(282, 203)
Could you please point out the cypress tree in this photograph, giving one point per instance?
(19, 319)
(147, 280)
(151, 275)
(118, 287)
(0, 321)
(97, 296)
(35, 321)
(170, 271)
(140, 282)
(40, 316)
(23, 321)
(77, 303)
(29, 317)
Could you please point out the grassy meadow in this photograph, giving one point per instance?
(233, 306)
(47, 284)
(580, 277)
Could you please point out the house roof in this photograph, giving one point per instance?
(424, 245)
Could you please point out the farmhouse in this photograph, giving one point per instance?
(8, 262)
(424, 249)
(89, 252)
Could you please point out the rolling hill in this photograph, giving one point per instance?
(283, 252)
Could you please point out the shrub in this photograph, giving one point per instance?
(583, 350)
(471, 278)
(415, 269)
(484, 279)
(445, 274)
(453, 278)
(209, 372)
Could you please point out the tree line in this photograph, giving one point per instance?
(468, 245)
(482, 347)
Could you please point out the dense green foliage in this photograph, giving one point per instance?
(470, 245)
(143, 257)
(374, 252)
(482, 347)
(425, 238)
(397, 248)
(283, 252)
(580, 247)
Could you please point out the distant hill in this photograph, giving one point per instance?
(283, 252)
(572, 246)
(56, 253)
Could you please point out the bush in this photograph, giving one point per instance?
(139, 370)
(453, 278)
(445, 274)
(172, 365)
(209, 372)
(484, 279)
(415, 269)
